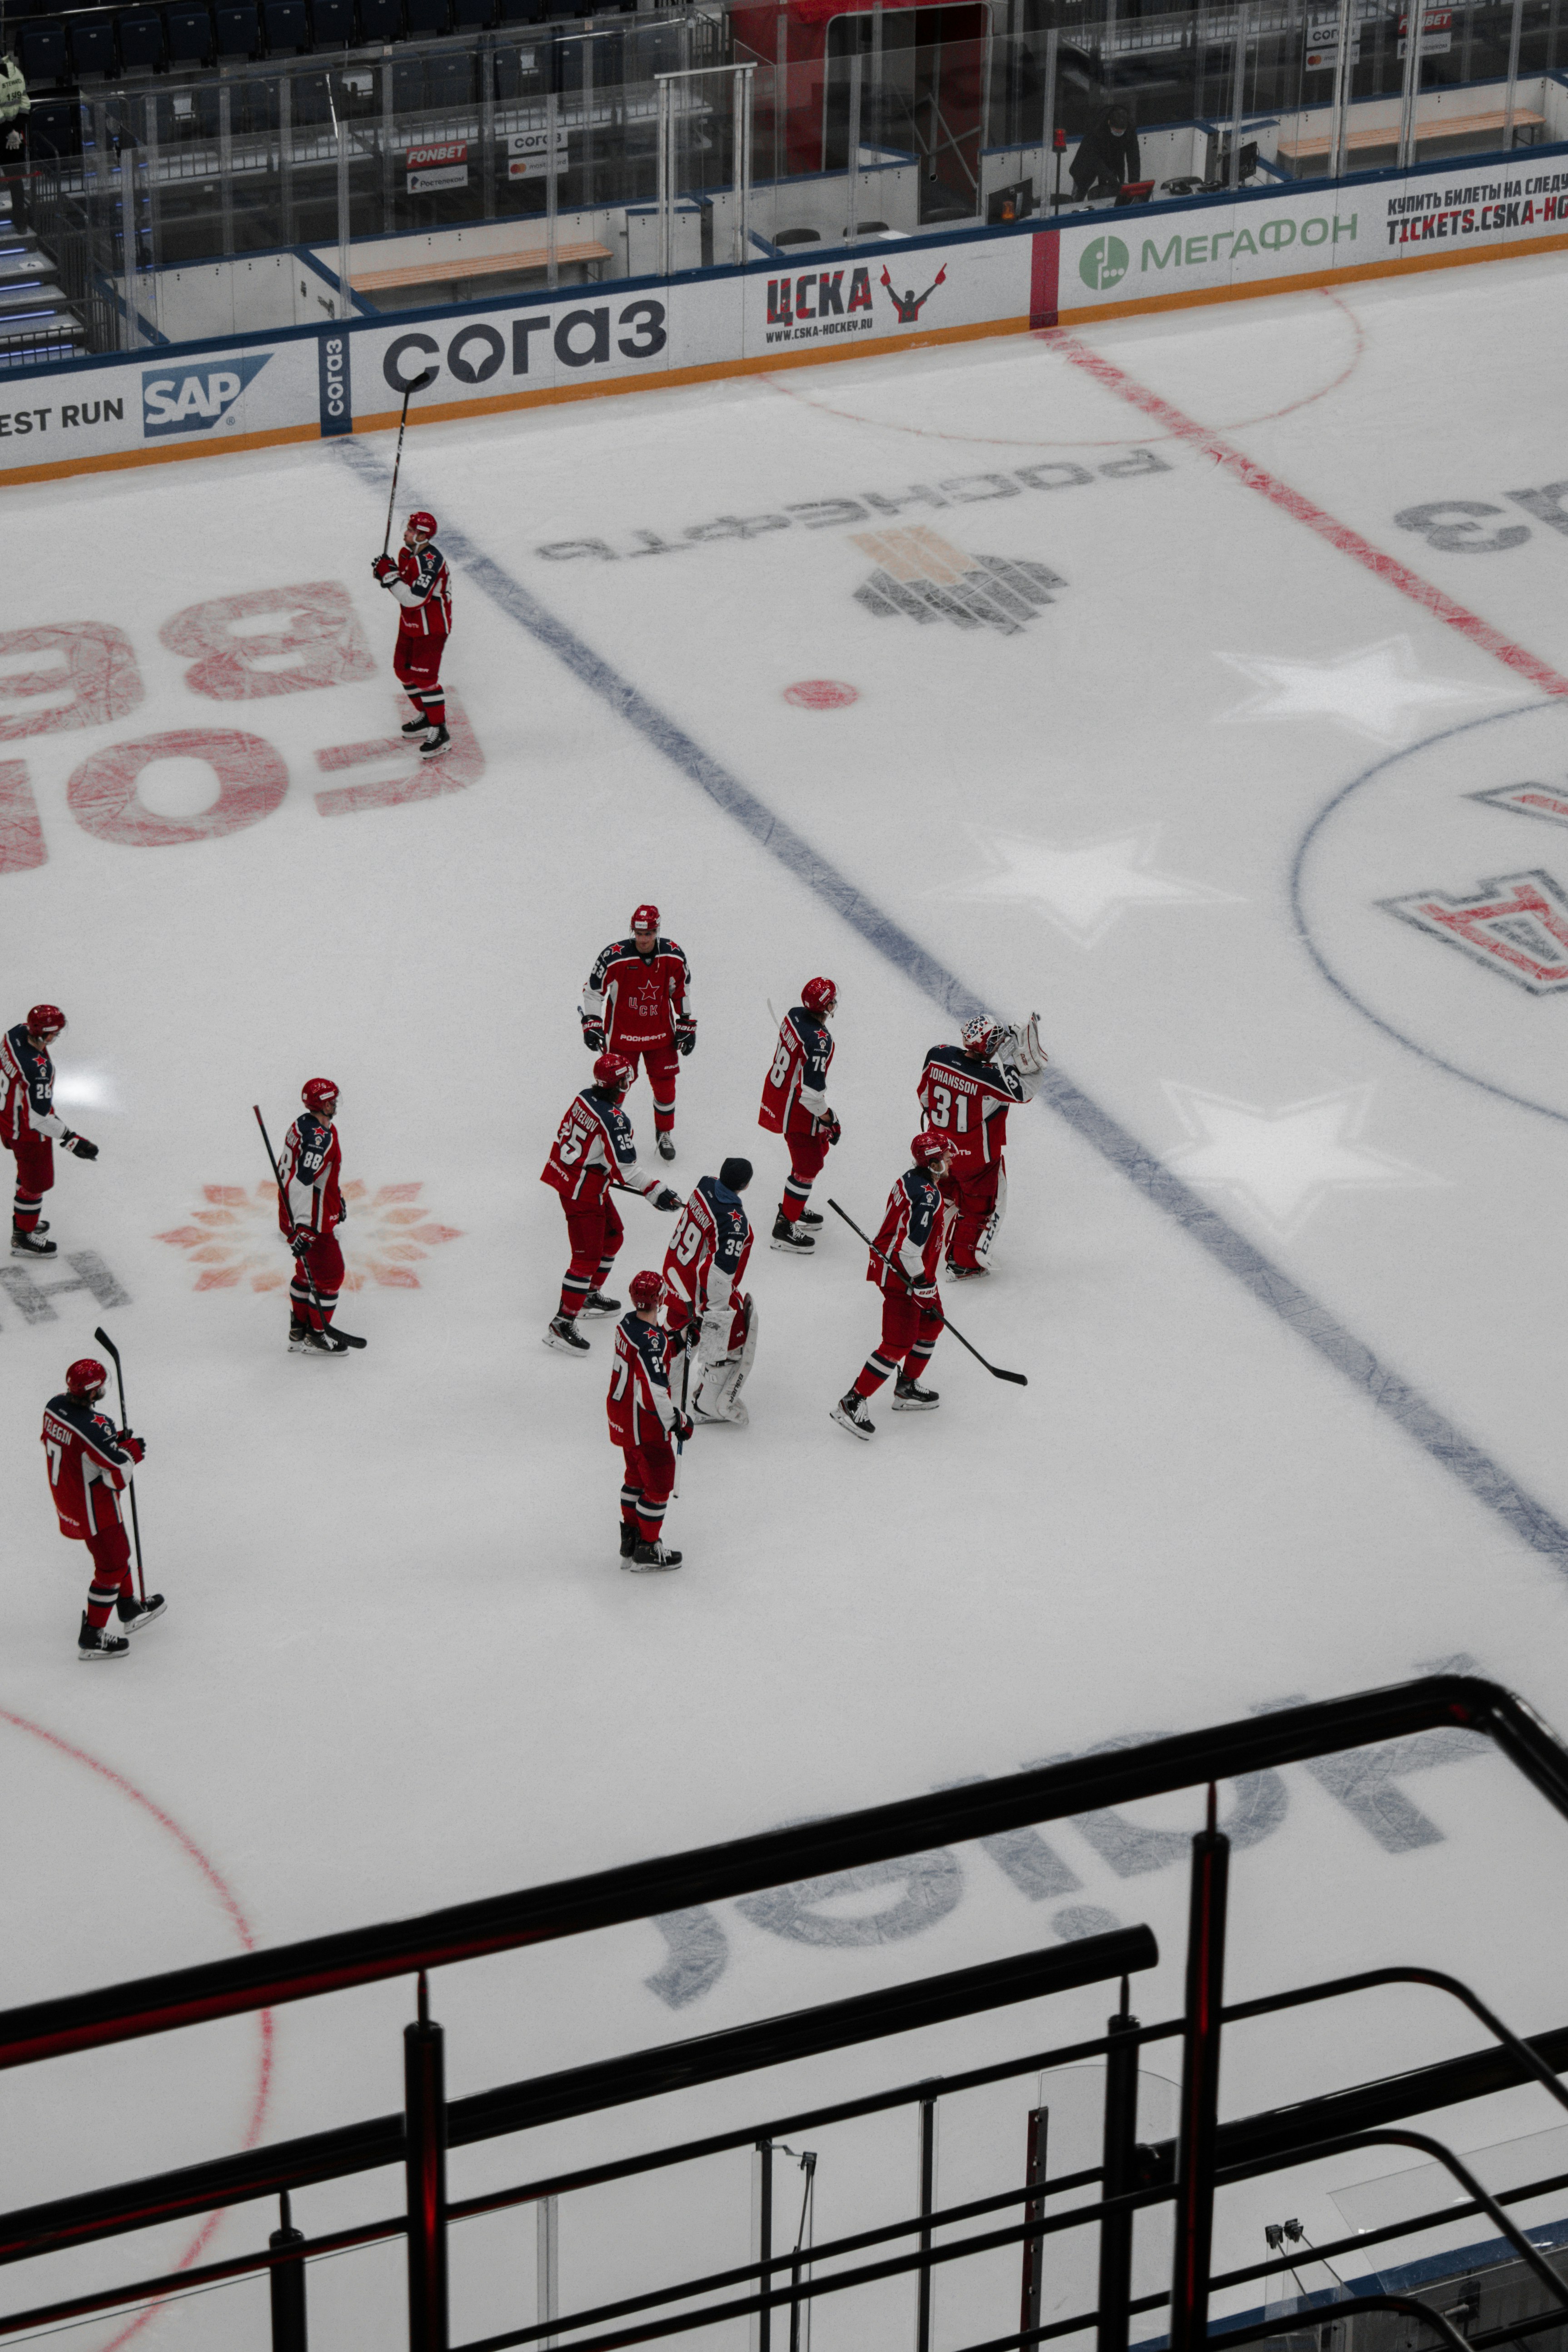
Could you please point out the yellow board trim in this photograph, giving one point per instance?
(769, 363)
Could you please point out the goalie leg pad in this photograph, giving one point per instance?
(992, 1222)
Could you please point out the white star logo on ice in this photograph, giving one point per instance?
(1283, 1163)
(1082, 889)
(1377, 691)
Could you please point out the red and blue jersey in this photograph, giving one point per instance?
(638, 999)
(706, 1261)
(593, 1149)
(795, 1098)
(423, 589)
(640, 1405)
(910, 1235)
(26, 1089)
(966, 1100)
(310, 1165)
(88, 1465)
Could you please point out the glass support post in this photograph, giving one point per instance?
(1035, 2150)
(287, 2284)
(551, 192)
(927, 2206)
(663, 88)
(547, 2267)
(589, 55)
(131, 336)
(486, 59)
(1049, 195)
(150, 144)
(763, 2236)
(226, 158)
(388, 148)
(286, 154)
(1238, 98)
(1199, 2130)
(1118, 2176)
(1200, 58)
(1339, 120)
(852, 232)
(425, 2129)
(741, 136)
(345, 295)
(879, 111)
(1511, 99)
(781, 97)
(1410, 89)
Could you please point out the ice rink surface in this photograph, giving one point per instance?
(1279, 1257)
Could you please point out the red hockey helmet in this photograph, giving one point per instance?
(86, 1377)
(645, 918)
(317, 1093)
(647, 1292)
(45, 1021)
(423, 523)
(820, 996)
(980, 1036)
(613, 1072)
(928, 1146)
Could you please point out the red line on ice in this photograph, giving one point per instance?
(1316, 518)
(241, 1926)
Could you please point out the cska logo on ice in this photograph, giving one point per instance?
(194, 399)
(1516, 926)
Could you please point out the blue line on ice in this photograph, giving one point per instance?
(1487, 1480)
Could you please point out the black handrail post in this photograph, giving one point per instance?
(1118, 2163)
(424, 2123)
(289, 2332)
(765, 2238)
(1200, 2087)
(928, 2205)
(1034, 2164)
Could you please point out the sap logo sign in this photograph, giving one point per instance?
(193, 399)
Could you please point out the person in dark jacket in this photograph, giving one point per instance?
(1106, 156)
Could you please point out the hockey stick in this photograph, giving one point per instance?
(419, 385)
(107, 1344)
(347, 1338)
(1019, 1379)
(680, 1442)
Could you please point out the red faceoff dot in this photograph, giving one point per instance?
(821, 694)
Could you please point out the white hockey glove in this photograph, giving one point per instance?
(1029, 1054)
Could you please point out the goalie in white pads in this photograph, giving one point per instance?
(965, 1093)
(703, 1270)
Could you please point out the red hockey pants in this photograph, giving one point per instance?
(909, 1332)
(807, 1155)
(971, 1194)
(663, 1061)
(110, 1554)
(35, 1177)
(596, 1235)
(650, 1476)
(323, 1262)
(416, 666)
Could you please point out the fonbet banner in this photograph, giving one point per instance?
(255, 390)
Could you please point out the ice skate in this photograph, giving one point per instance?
(31, 1245)
(735, 1413)
(665, 1142)
(597, 1304)
(966, 1273)
(320, 1343)
(809, 1217)
(559, 1332)
(134, 1613)
(787, 1236)
(650, 1556)
(434, 743)
(92, 1645)
(910, 1397)
(850, 1413)
(420, 726)
(628, 1539)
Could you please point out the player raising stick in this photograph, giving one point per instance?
(593, 1149)
(310, 1208)
(90, 1463)
(417, 576)
(643, 1418)
(903, 1265)
(966, 1091)
(29, 1126)
(794, 1104)
(637, 1002)
(703, 1268)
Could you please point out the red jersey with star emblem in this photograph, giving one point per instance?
(312, 1158)
(706, 1261)
(967, 1101)
(637, 999)
(88, 1465)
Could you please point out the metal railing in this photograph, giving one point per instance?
(1204, 2157)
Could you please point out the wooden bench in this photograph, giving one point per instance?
(1441, 126)
(460, 266)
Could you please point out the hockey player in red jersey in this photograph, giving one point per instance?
(643, 1419)
(794, 1104)
(29, 1126)
(966, 1091)
(637, 1003)
(902, 1264)
(594, 1150)
(310, 1208)
(89, 1464)
(704, 1267)
(422, 584)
